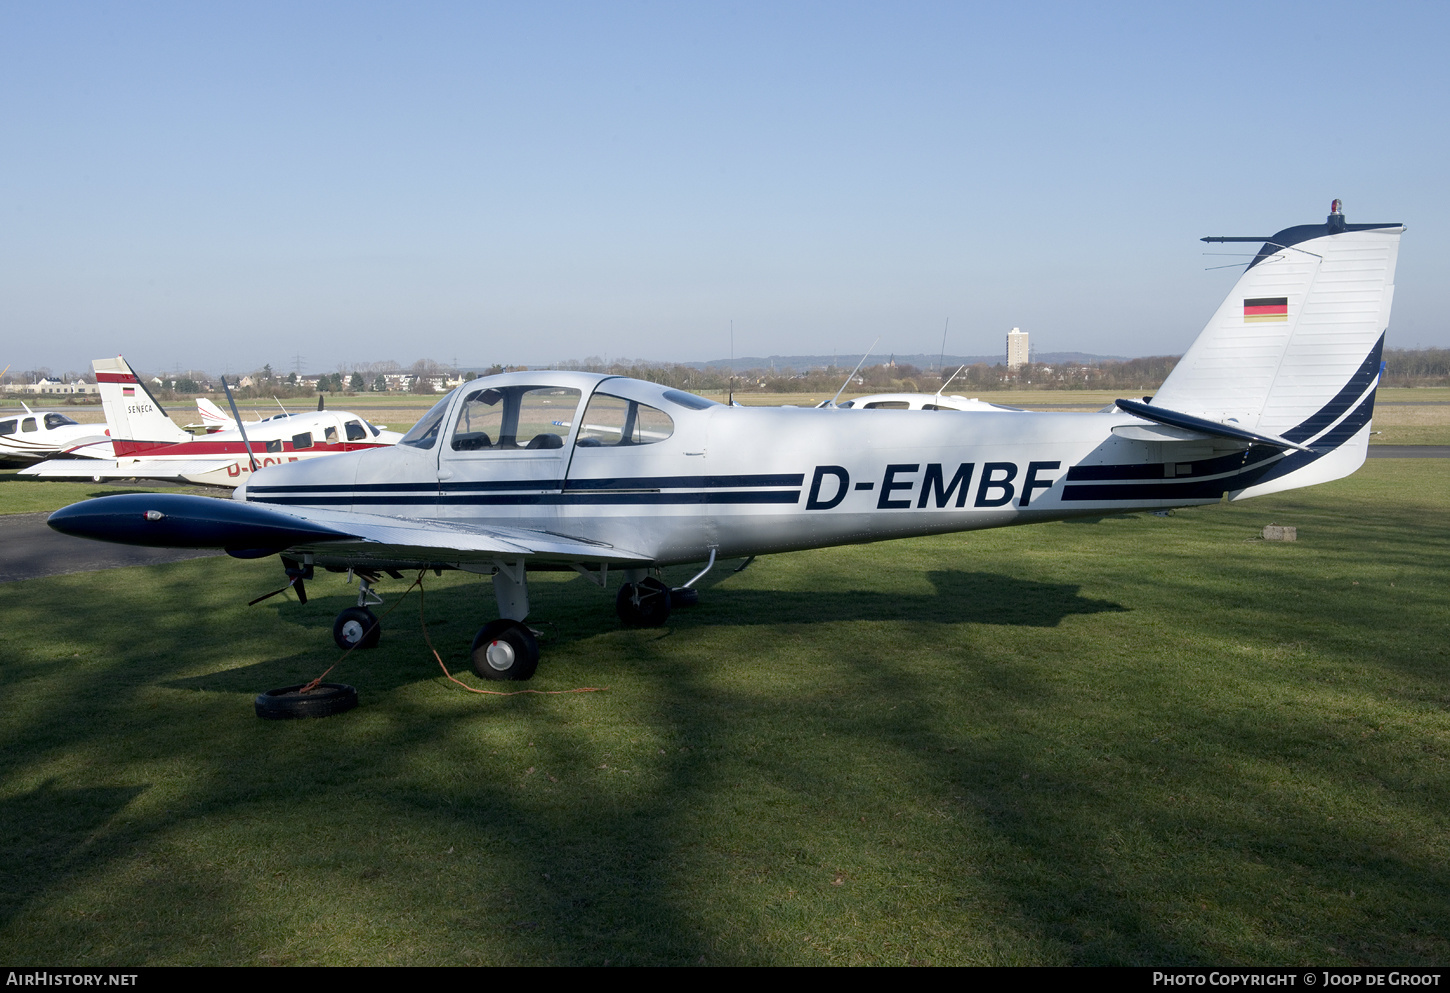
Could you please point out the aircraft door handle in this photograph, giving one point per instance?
(445, 474)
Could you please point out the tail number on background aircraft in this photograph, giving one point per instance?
(237, 468)
(901, 487)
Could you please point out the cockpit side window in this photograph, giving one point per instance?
(611, 420)
(355, 431)
(424, 434)
(28, 425)
(515, 417)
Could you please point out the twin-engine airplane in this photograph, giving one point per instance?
(145, 443)
(567, 470)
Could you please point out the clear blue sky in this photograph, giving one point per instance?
(213, 185)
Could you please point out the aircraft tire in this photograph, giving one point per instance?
(504, 650)
(324, 701)
(652, 608)
(683, 596)
(354, 625)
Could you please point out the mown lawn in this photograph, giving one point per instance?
(1133, 740)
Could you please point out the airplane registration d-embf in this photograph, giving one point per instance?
(567, 470)
(145, 443)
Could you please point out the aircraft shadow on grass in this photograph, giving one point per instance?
(47, 836)
(960, 598)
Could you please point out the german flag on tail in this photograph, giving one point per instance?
(1260, 310)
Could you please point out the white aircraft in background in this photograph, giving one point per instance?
(30, 437)
(214, 419)
(568, 470)
(145, 443)
(922, 401)
(917, 401)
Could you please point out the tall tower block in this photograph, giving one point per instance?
(1016, 348)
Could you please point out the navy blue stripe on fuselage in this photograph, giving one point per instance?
(1155, 470)
(637, 498)
(428, 487)
(500, 485)
(686, 482)
(1294, 461)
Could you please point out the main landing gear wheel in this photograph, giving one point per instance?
(324, 701)
(504, 649)
(356, 627)
(645, 604)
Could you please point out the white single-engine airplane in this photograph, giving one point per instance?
(145, 443)
(567, 470)
(30, 437)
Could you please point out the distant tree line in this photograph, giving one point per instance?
(1417, 367)
(1404, 367)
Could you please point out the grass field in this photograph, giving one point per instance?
(1133, 740)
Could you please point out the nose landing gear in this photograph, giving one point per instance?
(358, 627)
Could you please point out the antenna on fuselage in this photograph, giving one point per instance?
(942, 359)
(854, 371)
(732, 364)
(949, 380)
(236, 416)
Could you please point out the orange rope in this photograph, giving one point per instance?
(376, 624)
(474, 689)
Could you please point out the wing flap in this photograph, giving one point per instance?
(452, 541)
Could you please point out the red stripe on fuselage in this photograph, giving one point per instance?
(115, 377)
(212, 449)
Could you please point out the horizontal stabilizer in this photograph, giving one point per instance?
(1202, 425)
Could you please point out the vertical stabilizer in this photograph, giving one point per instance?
(1294, 351)
(132, 413)
(213, 417)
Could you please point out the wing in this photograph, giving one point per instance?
(249, 530)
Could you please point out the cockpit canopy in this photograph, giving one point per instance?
(530, 412)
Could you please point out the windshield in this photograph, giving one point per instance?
(424, 434)
(53, 421)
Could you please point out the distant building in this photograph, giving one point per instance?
(1016, 348)
(80, 386)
